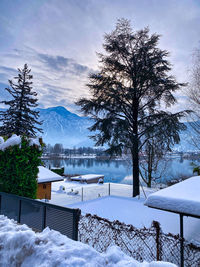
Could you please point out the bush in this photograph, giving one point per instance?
(19, 169)
(59, 171)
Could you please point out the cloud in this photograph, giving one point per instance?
(59, 39)
(56, 79)
(60, 63)
(4, 95)
(6, 73)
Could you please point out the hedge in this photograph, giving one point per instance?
(59, 171)
(19, 169)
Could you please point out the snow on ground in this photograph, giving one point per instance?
(20, 246)
(121, 206)
(132, 211)
(90, 191)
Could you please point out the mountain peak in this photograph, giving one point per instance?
(59, 109)
(62, 126)
(62, 111)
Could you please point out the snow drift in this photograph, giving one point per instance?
(20, 246)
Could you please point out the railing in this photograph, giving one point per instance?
(38, 215)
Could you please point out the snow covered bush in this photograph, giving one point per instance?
(19, 161)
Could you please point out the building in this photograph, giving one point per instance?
(45, 178)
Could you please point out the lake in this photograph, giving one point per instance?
(119, 171)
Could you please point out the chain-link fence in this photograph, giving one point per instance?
(147, 244)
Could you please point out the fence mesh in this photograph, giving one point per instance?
(146, 244)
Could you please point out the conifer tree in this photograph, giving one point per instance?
(127, 93)
(20, 117)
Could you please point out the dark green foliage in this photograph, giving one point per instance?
(19, 169)
(130, 94)
(20, 118)
(197, 169)
(59, 171)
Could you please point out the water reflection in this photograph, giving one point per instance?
(119, 171)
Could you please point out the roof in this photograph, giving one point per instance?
(45, 175)
(183, 197)
(87, 177)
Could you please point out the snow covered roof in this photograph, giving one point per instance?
(87, 177)
(45, 175)
(183, 197)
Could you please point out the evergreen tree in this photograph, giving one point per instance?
(21, 118)
(127, 92)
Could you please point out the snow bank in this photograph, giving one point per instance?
(20, 246)
(182, 197)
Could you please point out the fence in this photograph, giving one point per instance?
(142, 244)
(106, 189)
(38, 215)
(77, 193)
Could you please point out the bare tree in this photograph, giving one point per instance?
(193, 92)
(150, 166)
(58, 148)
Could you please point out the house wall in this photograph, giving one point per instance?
(44, 191)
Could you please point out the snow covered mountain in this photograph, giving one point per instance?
(62, 126)
(186, 144)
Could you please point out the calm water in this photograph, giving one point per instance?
(120, 171)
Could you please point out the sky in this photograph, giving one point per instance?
(58, 39)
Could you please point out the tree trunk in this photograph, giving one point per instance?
(150, 164)
(135, 148)
(135, 161)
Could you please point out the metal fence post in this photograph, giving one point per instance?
(76, 218)
(158, 244)
(82, 194)
(181, 241)
(0, 203)
(44, 217)
(19, 212)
